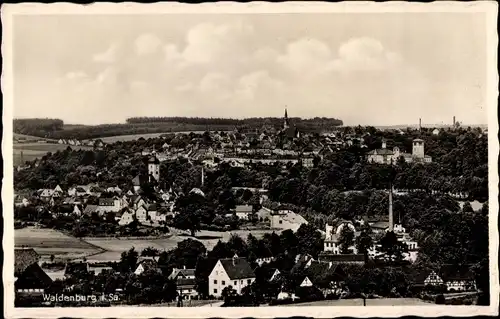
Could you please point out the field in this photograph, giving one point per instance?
(126, 138)
(48, 242)
(359, 302)
(32, 151)
(114, 247)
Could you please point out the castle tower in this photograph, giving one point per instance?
(154, 168)
(418, 148)
(286, 124)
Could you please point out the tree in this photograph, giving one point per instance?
(346, 239)
(128, 260)
(392, 248)
(309, 239)
(363, 243)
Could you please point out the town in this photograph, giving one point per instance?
(257, 216)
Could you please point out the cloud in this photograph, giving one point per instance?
(306, 56)
(108, 56)
(363, 54)
(147, 44)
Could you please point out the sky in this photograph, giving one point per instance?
(364, 68)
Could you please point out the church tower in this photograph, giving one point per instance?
(154, 168)
(418, 148)
(286, 124)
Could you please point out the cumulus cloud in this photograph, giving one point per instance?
(364, 54)
(219, 71)
(108, 56)
(147, 44)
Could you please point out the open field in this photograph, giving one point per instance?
(114, 247)
(126, 138)
(32, 151)
(48, 242)
(359, 302)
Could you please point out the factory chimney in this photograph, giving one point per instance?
(391, 216)
(454, 121)
(419, 124)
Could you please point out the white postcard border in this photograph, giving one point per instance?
(490, 8)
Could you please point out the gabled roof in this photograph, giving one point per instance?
(237, 268)
(186, 283)
(243, 209)
(181, 273)
(153, 160)
(341, 258)
(23, 258)
(106, 201)
(90, 209)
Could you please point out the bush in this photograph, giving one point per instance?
(440, 300)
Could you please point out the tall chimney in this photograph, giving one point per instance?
(202, 176)
(419, 124)
(391, 217)
(453, 120)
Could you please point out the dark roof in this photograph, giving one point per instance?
(23, 258)
(33, 277)
(153, 160)
(340, 258)
(139, 180)
(243, 208)
(186, 282)
(237, 268)
(90, 209)
(106, 202)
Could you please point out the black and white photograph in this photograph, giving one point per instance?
(257, 160)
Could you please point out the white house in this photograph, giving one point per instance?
(127, 218)
(306, 283)
(235, 272)
(146, 264)
(243, 211)
(142, 214)
(286, 219)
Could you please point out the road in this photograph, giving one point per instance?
(215, 304)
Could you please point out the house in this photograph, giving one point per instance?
(142, 214)
(29, 277)
(182, 273)
(234, 272)
(146, 264)
(453, 278)
(435, 131)
(327, 277)
(186, 288)
(387, 156)
(127, 217)
(287, 219)
(109, 204)
(332, 236)
(243, 211)
(89, 209)
(186, 282)
(21, 201)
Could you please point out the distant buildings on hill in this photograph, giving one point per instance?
(388, 156)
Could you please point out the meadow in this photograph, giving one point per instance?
(359, 302)
(133, 137)
(48, 242)
(114, 247)
(32, 151)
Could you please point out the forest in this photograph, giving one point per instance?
(55, 129)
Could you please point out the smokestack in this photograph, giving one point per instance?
(419, 124)
(453, 120)
(391, 217)
(202, 176)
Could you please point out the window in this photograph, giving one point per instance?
(249, 281)
(281, 222)
(235, 282)
(215, 282)
(215, 291)
(223, 282)
(241, 282)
